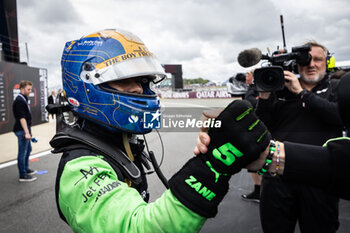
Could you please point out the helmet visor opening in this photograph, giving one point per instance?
(136, 67)
(147, 92)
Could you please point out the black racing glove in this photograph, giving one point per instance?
(239, 141)
(202, 182)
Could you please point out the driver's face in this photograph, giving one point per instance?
(130, 85)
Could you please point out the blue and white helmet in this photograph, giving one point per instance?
(110, 55)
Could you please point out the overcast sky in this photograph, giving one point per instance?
(205, 36)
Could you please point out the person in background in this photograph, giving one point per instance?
(305, 111)
(251, 95)
(22, 129)
(236, 85)
(324, 166)
(52, 100)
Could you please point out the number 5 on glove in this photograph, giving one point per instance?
(226, 154)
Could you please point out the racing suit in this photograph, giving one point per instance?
(92, 195)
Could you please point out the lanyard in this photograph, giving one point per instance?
(25, 100)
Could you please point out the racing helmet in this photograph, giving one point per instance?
(88, 64)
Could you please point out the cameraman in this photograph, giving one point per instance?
(305, 111)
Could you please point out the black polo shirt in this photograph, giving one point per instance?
(311, 120)
(21, 109)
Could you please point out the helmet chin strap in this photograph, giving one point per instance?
(127, 146)
(128, 152)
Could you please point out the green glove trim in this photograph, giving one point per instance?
(253, 125)
(335, 139)
(240, 117)
(262, 135)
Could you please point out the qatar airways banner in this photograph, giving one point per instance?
(195, 94)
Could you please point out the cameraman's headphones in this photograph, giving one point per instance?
(330, 61)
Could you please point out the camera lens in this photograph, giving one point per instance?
(269, 78)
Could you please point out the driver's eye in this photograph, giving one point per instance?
(144, 80)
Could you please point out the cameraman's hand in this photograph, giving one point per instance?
(264, 95)
(293, 83)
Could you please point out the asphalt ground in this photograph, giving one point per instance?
(31, 207)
